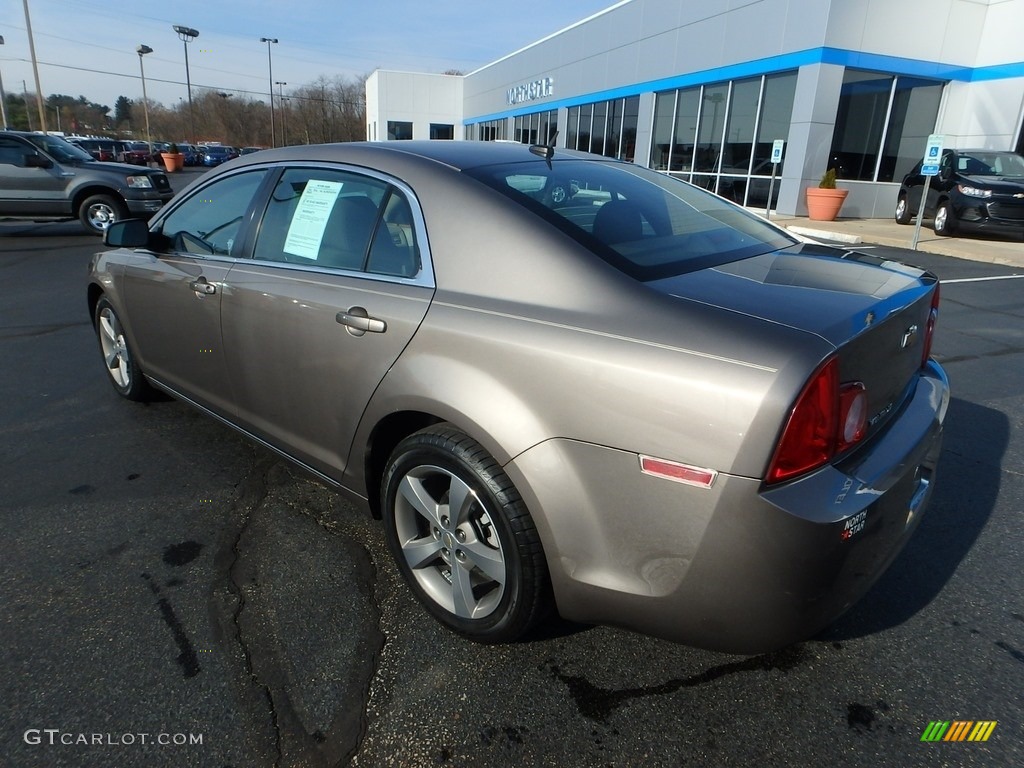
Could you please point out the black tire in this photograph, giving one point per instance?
(903, 212)
(118, 359)
(100, 211)
(494, 526)
(944, 223)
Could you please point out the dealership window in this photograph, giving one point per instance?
(442, 131)
(537, 128)
(882, 124)
(489, 130)
(720, 135)
(604, 127)
(399, 131)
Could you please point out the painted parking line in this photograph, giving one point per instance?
(981, 279)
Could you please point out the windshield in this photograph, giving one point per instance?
(646, 224)
(59, 149)
(990, 163)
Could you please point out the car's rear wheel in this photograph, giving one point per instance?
(100, 211)
(903, 214)
(462, 537)
(945, 220)
(125, 374)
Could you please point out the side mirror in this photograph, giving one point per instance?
(946, 173)
(37, 161)
(127, 233)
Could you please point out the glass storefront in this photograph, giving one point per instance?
(537, 128)
(399, 130)
(604, 128)
(719, 136)
(882, 124)
(489, 130)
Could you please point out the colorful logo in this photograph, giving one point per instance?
(958, 730)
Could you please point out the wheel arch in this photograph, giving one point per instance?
(385, 435)
(93, 295)
(84, 193)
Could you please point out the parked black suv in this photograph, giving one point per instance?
(979, 189)
(45, 177)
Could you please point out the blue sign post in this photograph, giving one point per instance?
(929, 167)
(777, 146)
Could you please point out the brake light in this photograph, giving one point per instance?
(827, 419)
(929, 331)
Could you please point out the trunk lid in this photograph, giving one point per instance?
(875, 312)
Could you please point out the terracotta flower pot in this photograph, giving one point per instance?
(824, 204)
(173, 162)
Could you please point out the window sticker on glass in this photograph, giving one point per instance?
(310, 219)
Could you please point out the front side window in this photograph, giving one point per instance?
(339, 220)
(207, 223)
(644, 223)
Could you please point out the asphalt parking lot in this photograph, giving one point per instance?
(171, 595)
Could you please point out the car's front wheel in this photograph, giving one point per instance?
(903, 214)
(100, 211)
(118, 359)
(945, 220)
(462, 537)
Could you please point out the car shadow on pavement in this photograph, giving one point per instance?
(967, 486)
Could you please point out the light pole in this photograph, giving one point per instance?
(270, 70)
(142, 50)
(187, 35)
(284, 113)
(35, 69)
(3, 99)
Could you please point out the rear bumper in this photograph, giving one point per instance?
(736, 567)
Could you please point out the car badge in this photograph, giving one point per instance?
(1019, 195)
(869, 318)
(908, 336)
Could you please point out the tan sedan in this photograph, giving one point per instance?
(561, 381)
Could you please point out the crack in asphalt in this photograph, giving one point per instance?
(243, 616)
(252, 491)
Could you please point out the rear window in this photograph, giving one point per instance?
(646, 224)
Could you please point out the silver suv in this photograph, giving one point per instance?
(45, 177)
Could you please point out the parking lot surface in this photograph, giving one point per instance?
(171, 595)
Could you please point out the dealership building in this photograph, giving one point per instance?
(702, 90)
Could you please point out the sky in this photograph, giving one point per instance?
(87, 47)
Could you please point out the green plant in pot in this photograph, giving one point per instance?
(825, 200)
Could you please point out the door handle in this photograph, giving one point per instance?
(201, 286)
(357, 321)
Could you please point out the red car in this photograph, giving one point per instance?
(133, 152)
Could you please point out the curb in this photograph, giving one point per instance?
(824, 234)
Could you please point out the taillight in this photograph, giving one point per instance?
(827, 419)
(929, 331)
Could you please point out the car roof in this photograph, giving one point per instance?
(459, 155)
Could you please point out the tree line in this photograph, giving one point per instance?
(326, 110)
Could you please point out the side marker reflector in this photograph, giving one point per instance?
(679, 473)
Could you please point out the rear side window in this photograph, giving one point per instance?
(339, 220)
(646, 224)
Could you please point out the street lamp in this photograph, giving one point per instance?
(3, 98)
(142, 50)
(284, 112)
(187, 35)
(35, 69)
(270, 70)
